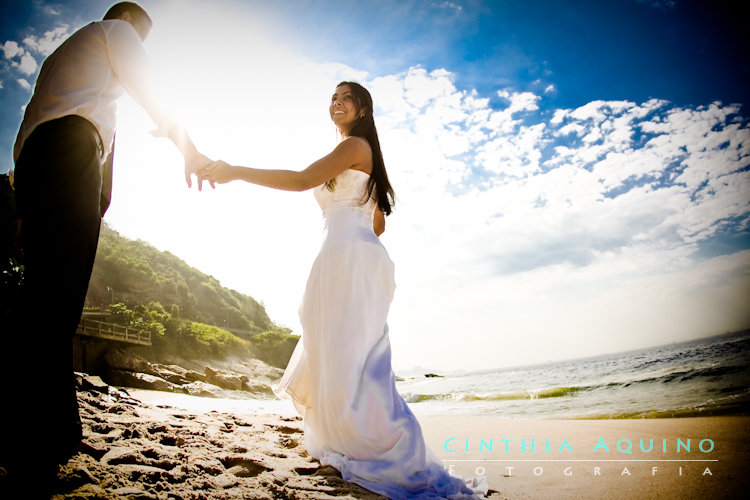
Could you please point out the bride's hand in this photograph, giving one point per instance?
(218, 172)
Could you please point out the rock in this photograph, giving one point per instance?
(432, 375)
(170, 375)
(255, 369)
(178, 374)
(121, 359)
(141, 381)
(93, 383)
(199, 388)
(258, 388)
(226, 380)
(120, 395)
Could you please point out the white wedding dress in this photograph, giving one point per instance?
(339, 376)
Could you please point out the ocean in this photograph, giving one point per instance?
(707, 376)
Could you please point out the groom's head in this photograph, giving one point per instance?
(132, 13)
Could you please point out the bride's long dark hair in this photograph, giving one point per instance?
(378, 186)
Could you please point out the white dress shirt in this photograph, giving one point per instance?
(86, 75)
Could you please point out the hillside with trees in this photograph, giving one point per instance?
(134, 272)
(188, 313)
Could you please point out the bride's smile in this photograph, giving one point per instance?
(343, 111)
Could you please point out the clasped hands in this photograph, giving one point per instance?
(205, 169)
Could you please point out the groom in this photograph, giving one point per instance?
(63, 163)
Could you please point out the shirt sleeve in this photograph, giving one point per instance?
(130, 66)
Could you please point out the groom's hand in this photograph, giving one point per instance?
(219, 172)
(194, 164)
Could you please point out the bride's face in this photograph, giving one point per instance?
(343, 111)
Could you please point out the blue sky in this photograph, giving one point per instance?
(572, 177)
(686, 52)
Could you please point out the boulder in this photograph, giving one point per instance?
(203, 389)
(88, 382)
(176, 372)
(121, 359)
(226, 380)
(254, 369)
(259, 388)
(141, 381)
(170, 375)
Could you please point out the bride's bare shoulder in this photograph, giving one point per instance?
(357, 143)
(356, 153)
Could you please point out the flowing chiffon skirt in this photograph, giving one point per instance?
(340, 377)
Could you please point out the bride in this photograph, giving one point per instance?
(339, 376)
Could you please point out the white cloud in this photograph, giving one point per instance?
(23, 60)
(520, 101)
(51, 10)
(51, 39)
(23, 83)
(449, 5)
(27, 65)
(11, 49)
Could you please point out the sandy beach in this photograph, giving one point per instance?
(590, 459)
(149, 449)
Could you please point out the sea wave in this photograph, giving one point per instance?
(671, 376)
(551, 392)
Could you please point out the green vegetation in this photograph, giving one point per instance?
(188, 313)
(274, 347)
(134, 272)
(156, 291)
(194, 340)
(145, 288)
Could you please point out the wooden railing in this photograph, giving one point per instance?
(104, 330)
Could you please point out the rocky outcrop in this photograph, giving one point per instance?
(118, 358)
(177, 374)
(226, 380)
(125, 368)
(199, 388)
(141, 381)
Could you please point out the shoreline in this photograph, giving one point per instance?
(257, 405)
(153, 449)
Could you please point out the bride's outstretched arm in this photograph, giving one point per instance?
(350, 153)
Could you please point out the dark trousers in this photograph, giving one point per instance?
(58, 188)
